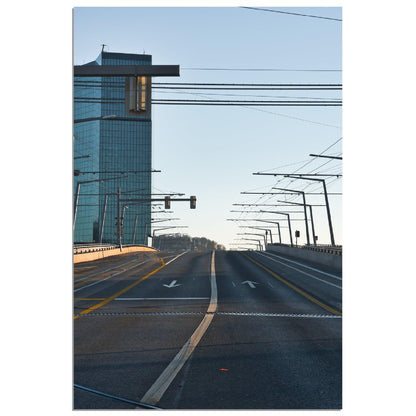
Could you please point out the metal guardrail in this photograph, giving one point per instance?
(323, 248)
(336, 250)
(93, 247)
(90, 248)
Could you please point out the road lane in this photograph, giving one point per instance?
(323, 287)
(267, 345)
(122, 347)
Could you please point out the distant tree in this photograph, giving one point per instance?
(185, 242)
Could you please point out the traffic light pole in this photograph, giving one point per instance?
(167, 200)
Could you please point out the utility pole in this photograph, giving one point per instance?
(288, 221)
(256, 219)
(307, 177)
(331, 231)
(304, 209)
(288, 203)
(260, 235)
(103, 219)
(119, 227)
(267, 230)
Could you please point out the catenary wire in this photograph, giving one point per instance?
(292, 13)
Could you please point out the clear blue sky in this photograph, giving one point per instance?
(210, 151)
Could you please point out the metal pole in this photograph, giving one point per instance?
(331, 231)
(306, 219)
(280, 235)
(313, 227)
(290, 230)
(135, 226)
(76, 205)
(119, 217)
(304, 208)
(145, 234)
(103, 219)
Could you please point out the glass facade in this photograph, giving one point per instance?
(112, 150)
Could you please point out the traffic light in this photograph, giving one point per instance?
(193, 202)
(167, 202)
(297, 234)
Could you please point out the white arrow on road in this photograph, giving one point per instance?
(250, 283)
(172, 284)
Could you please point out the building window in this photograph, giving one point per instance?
(137, 94)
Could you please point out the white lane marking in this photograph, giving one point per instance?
(109, 277)
(250, 283)
(156, 391)
(160, 298)
(173, 284)
(170, 261)
(103, 271)
(301, 271)
(304, 265)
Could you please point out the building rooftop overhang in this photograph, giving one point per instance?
(126, 70)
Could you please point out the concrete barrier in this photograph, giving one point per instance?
(324, 258)
(100, 254)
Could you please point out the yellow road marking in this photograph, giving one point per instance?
(301, 292)
(105, 301)
(89, 298)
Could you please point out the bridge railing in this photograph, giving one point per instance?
(321, 248)
(80, 248)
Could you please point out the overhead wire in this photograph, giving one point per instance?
(292, 13)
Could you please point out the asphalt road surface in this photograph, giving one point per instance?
(222, 330)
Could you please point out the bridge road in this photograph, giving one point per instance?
(273, 341)
(122, 346)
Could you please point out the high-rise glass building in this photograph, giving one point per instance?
(112, 147)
